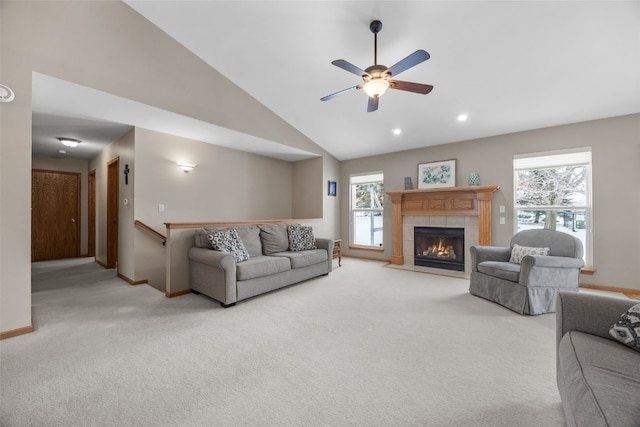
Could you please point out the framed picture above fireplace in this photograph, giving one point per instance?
(437, 174)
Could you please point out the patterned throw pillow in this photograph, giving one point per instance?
(518, 252)
(227, 241)
(627, 329)
(301, 238)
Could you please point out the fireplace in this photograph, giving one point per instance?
(439, 247)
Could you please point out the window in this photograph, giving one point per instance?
(553, 191)
(367, 201)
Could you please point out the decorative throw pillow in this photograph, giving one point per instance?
(227, 241)
(518, 252)
(627, 329)
(301, 238)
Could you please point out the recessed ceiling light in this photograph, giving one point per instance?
(462, 118)
(397, 131)
(62, 152)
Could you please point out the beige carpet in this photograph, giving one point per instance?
(365, 346)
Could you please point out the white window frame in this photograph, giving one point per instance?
(549, 159)
(366, 178)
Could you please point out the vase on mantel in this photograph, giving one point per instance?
(408, 184)
(474, 179)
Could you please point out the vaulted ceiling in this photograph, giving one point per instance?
(509, 65)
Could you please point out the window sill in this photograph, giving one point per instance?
(366, 248)
(588, 270)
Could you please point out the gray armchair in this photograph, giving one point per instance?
(530, 287)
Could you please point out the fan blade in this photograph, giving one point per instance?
(373, 104)
(348, 66)
(410, 87)
(410, 61)
(340, 92)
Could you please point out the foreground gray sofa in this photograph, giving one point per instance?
(530, 286)
(271, 265)
(598, 377)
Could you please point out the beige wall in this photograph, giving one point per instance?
(122, 149)
(330, 228)
(225, 185)
(77, 166)
(109, 47)
(615, 146)
(307, 186)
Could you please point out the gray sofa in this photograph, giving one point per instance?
(598, 377)
(271, 265)
(530, 283)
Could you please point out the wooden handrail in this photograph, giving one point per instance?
(150, 230)
(176, 225)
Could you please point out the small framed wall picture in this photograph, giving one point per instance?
(437, 174)
(332, 188)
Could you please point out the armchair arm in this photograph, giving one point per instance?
(488, 253)
(550, 271)
(529, 261)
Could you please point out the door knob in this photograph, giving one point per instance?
(73, 220)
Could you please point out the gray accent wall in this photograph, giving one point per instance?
(615, 144)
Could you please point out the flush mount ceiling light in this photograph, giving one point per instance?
(462, 118)
(397, 131)
(6, 94)
(69, 142)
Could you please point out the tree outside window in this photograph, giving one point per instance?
(553, 191)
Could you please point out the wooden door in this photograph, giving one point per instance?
(112, 212)
(55, 215)
(91, 242)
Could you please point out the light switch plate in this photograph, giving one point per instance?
(161, 208)
(502, 209)
(503, 220)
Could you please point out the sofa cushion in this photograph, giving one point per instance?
(301, 238)
(304, 258)
(274, 238)
(229, 242)
(603, 378)
(250, 236)
(627, 329)
(503, 270)
(261, 266)
(518, 252)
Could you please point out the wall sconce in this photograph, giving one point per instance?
(186, 166)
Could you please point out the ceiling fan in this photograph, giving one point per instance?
(378, 78)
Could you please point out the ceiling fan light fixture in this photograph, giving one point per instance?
(375, 88)
(69, 142)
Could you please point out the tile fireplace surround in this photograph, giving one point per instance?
(464, 207)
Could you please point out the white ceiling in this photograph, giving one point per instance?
(509, 65)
